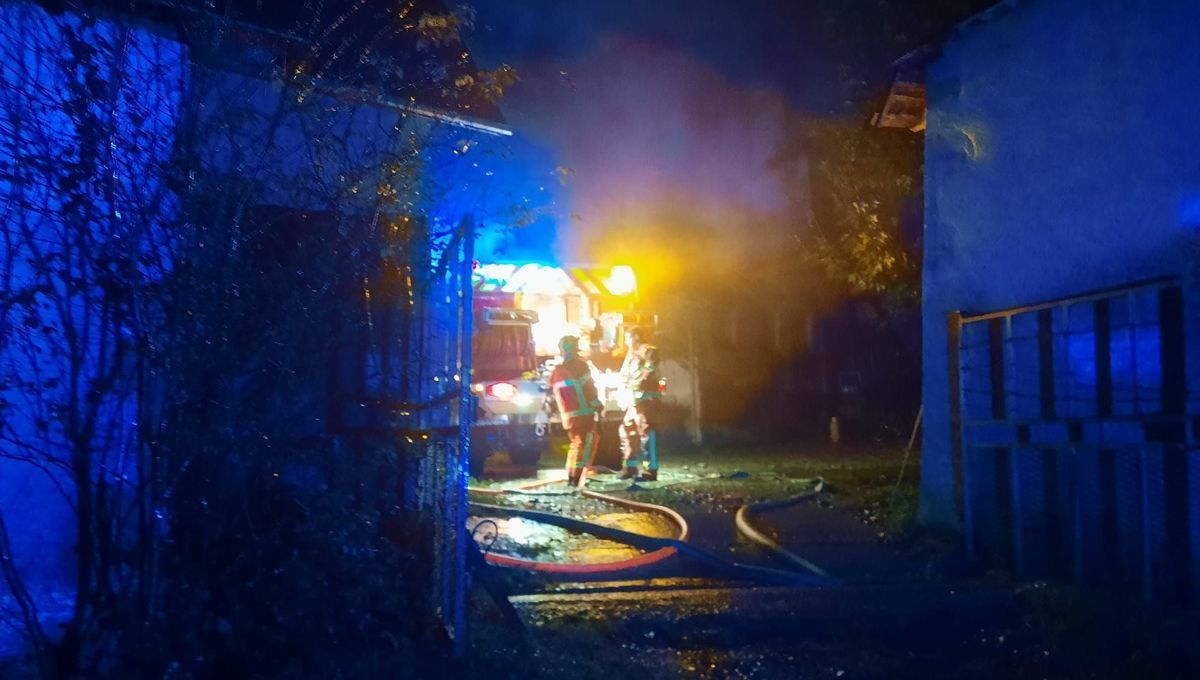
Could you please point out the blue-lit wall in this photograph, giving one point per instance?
(322, 153)
(317, 157)
(52, 308)
(1062, 157)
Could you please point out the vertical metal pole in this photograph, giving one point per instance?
(466, 417)
(954, 365)
(1054, 463)
(1147, 531)
(1015, 496)
(1176, 503)
(1102, 330)
(1045, 321)
(1001, 538)
(997, 339)
(694, 365)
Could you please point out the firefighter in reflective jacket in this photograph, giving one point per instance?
(579, 407)
(640, 376)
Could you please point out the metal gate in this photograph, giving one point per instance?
(1073, 445)
(439, 372)
(408, 398)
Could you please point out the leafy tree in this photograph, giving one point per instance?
(865, 184)
(867, 181)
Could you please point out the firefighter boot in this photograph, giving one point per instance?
(629, 472)
(573, 476)
(649, 476)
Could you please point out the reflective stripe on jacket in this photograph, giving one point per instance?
(574, 390)
(640, 372)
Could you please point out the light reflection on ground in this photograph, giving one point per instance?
(520, 537)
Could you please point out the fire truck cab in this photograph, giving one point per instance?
(522, 310)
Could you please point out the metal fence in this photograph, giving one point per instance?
(406, 393)
(1074, 445)
(440, 386)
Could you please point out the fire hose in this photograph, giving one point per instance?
(742, 519)
(658, 554)
(657, 549)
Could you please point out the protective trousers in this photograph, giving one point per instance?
(640, 422)
(582, 450)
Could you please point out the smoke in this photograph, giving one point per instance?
(661, 156)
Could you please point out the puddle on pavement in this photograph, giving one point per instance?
(529, 539)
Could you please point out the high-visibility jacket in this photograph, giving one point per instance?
(640, 372)
(575, 392)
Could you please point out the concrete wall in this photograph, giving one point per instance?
(1062, 157)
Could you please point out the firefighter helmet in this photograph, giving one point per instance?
(568, 345)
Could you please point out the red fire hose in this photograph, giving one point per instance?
(658, 549)
(643, 560)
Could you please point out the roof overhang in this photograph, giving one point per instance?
(262, 35)
(905, 107)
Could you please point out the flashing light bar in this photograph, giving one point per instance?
(544, 279)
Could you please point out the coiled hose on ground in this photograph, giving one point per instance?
(658, 554)
(657, 549)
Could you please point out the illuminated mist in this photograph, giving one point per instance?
(656, 154)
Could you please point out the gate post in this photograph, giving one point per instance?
(954, 364)
(466, 417)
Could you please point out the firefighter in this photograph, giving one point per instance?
(579, 407)
(640, 376)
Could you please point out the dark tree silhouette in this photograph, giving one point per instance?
(218, 222)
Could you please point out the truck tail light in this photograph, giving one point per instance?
(662, 385)
(502, 390)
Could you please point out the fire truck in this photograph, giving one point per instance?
(522, 310)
